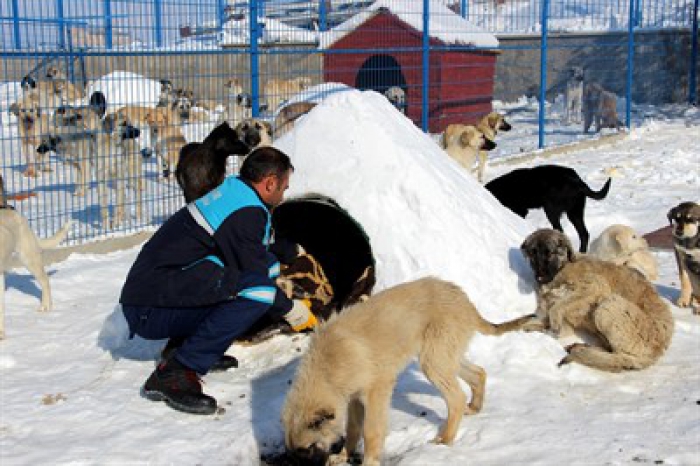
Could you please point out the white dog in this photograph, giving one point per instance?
(621, 245)
(17, 237)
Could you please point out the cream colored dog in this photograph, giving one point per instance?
(167, 139)
(17, 237)
(622, 245)
(33, 124)
(278, 91)
(463, 143)
(346, 378)
(611, 303)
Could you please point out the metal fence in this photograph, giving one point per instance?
(441, 61)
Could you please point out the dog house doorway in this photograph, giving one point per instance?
(379, 73)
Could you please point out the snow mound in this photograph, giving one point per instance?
(435, 220)
(125, 88)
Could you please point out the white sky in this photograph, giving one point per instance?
(65, 400)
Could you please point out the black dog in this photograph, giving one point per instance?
(202, 166)
(554, 188)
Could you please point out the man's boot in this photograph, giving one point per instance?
(224, 363)
(180, 388)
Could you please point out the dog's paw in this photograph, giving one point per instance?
(339, 459)
(573, 350)
(682, 301)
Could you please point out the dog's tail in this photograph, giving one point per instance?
(527, 323)
(601, 359)
(598, 195)
(57, 238)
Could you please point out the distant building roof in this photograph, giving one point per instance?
(444, 25)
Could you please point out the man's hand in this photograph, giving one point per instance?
(300, 316)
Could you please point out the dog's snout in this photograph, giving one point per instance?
(309, 456)
(488, 144)
(337, 447)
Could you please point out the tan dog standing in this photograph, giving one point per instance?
(167, 140)
(685, 222)
(490, 125)
(463, 143)
(33, 125)
(612, 303)
(346, 378)
(599, 106)
(622, 245)
(17, 237)
(113, 164)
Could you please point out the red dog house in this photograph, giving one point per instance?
(380, 48)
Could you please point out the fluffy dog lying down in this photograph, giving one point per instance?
(612, 303)
(343, 386)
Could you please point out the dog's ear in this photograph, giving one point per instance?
(320, 417)
(268, 127)
(672, 214)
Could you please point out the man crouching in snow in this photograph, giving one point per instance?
(206, 276)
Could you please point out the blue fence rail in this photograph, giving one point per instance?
(470, 56)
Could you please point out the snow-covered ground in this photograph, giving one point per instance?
(70, 395)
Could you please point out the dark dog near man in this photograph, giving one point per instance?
(202, 166)
(336, 241)
(554, 188)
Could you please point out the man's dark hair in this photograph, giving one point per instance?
(265, 161)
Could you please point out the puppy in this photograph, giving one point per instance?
(621, 245)
(278, 91)
(72, 136)
(613, 304)
(17, 237)
(202, 166)
(490, 125)
(167, 140)
(554, 188)
(33, 124)
(289, 114)
(343, 386)
(600, 106)
(397, 96)
(113, 165)
(573, 95)
(463, 143)
(685, 223)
